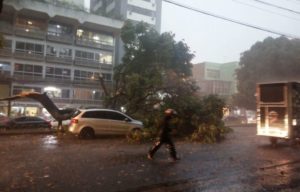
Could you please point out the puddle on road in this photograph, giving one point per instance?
(50, 142)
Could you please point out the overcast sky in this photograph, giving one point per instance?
(216, 40)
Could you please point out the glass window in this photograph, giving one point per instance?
(30, 47)
(38, 69)
(65, 52)
(28, 68)
(95, 37)
(19, 67)
(65, 93)
(51, 50)
(115, 116)
(58, 29)
(20, 45)
(106, 57)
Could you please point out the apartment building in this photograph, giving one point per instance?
(216, 78)
(148, 11)
(58, 48)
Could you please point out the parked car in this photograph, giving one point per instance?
(91, 122)
(28, 122)
(3, 121)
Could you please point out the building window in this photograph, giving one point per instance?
(104, 57)
(58, 73)
(62, 52)
(65, 93)
(30, 48)
(21, 89)
(5, 68)
(51, 51)
(7, 44)
(55, 92)
(83, 75)
(83, 94)
(141, 11)
(105, 76)
(30, 24)
(57, 29)
(95, 37)
(29, 70)
(84, 55)
(212, 73)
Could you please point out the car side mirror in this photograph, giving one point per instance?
(127, 120)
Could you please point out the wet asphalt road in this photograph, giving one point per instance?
(244, 162)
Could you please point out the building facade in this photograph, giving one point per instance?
(215, 78)
(62, 47)
(58, 50)
(148, 11)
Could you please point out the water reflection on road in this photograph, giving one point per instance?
(50, 142)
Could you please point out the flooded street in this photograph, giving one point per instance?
(244, 162)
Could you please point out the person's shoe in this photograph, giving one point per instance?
(149, 156)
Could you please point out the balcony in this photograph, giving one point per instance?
(60, 38)
(92, 43)
(106, 66)
(61, 60)
(30, 55)
(28, 78)
(5, 52)
(6, 28)
(92, 63)
(30, 32)
(62, 80)
(78, 101)
(87, 63)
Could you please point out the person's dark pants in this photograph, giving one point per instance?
(170, 145)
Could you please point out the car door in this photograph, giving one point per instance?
(118, 122)
(97, 121)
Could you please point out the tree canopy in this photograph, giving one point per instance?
(155, 74)
(268, 61)
(154, 67)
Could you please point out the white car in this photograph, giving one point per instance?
(91, 122)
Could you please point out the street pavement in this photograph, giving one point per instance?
(51, 162)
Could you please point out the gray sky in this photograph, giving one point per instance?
(217, 40)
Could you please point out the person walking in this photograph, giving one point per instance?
(165, 136)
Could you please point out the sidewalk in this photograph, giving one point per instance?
(4, 131)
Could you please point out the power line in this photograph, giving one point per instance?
(231, 20)
(266, 10)
(279, 7)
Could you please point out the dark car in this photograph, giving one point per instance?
(28, 122)
(4, 120)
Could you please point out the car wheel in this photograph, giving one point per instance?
(135, 134)
(87, 133)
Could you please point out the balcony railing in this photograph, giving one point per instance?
(5, 52)
(61, 38)
(6, 28)
(62, 80)
(92, 63)
(25, 54)
(106, 66)
(63, 59)
(78, 101)
(21, 77)
(92, 43)
(30, 32)
(87, 62)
